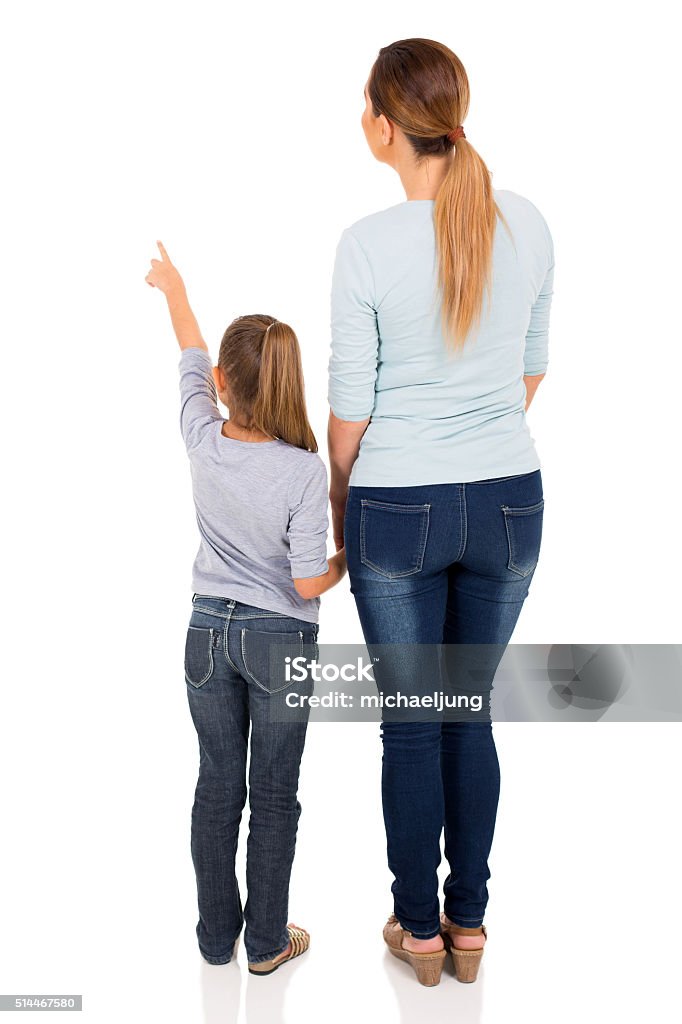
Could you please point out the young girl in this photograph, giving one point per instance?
(260, 492)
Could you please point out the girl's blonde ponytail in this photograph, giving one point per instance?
(260, 359)
(280, 408)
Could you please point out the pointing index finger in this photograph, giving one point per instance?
(163, 251)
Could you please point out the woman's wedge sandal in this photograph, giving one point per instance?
(428, 966)
(466, 961)
(299, 939)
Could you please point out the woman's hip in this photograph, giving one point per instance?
(414, 552)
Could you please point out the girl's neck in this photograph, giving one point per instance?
(238, 432)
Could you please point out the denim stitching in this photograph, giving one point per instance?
(525, 510)
(399, 575)
(407, 509)
(211, 611)
(226, 644)
(421, 542)
(250, 615)
(508, 511)
(263, 615)
(210, 658)
(462, 522)
(248, 671)
(510, 545)
(426, 520)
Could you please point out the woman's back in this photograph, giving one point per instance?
(437, 416)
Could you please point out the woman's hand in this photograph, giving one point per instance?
(164, 275)
(338, 507)
(343, 438)
(340, 557)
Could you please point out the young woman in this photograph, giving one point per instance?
(440, 313)
(260, 492)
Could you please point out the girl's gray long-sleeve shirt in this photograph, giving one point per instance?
(261, 507)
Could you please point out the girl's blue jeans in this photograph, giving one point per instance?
(442, 564)
(235, 691)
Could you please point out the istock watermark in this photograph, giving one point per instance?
(476, 682)
(298, 669)
(436, 701)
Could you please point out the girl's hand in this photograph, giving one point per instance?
(164, 275)
(166, 278)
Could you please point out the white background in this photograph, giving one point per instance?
(232, 133)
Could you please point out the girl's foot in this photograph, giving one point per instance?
(299, 941)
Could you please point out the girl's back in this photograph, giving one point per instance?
(261, 506)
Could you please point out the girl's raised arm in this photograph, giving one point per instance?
(164, 276)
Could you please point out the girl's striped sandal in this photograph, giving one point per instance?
(466, 961)
(299, 939)
(428, 966)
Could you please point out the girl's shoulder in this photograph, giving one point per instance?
(301, 463)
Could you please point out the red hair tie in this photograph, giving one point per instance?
(456, 133)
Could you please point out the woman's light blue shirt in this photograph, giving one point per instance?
(437, 416)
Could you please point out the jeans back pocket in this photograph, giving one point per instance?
(199, 654)
(265, 654)
(393, 537)
(524, 535)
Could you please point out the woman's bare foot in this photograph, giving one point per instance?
(476, 941)
(423, 945)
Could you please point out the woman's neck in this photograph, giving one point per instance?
(422, 181)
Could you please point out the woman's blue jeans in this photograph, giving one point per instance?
(236, 687)
(442, 564)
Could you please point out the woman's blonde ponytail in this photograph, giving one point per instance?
(465, 216)
(421, 86)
